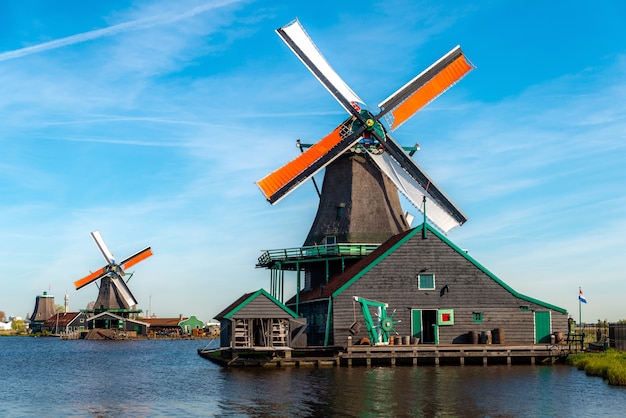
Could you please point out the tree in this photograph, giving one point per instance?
(3, 316)
(18, 325)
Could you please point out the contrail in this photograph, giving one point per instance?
(113, 30)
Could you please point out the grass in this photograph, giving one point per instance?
(610, 365)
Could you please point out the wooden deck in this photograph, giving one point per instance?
(391, 355)
(455, 354)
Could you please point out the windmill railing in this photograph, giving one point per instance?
(316, 251)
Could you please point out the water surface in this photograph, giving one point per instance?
(53, 378)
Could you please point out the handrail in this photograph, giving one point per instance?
(316, 251)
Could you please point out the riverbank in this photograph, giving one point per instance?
(610, 365)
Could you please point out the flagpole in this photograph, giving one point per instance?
(580, 316)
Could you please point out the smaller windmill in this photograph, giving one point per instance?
(114, 293)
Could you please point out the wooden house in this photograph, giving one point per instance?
(110, 321)
(257, 319)
(64, 322)
(437, 292)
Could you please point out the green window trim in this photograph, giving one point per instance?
(477, 317)
(426, 282)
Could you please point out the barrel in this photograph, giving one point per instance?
(558, 337)
(473, 337)
(407, 340)
(498, 336)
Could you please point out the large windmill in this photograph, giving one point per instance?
(114, 294)
(365, 166)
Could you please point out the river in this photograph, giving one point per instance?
(46, 377)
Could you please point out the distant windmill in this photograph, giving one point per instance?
(356, 201)
(114, 293)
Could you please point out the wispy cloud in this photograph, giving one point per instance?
(138, 24)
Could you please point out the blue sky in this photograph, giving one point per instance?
(151, 120)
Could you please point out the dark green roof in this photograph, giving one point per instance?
(240, 303)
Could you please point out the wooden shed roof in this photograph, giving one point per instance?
(111, 315)
(163, 322)
(247, 298)
(62, 319)
(337, 284)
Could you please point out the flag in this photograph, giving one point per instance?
(581, 297)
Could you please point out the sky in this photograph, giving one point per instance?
(150, 121)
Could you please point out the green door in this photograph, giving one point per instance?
(542, 327)
(416, 323)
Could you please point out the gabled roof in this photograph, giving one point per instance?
(337, 284)
(245, 299)
(113, 316)
(62, 319)
(163, 322)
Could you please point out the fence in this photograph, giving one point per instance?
(617, 336)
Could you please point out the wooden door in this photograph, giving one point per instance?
(542, 327)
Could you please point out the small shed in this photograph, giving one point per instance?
(258, 320)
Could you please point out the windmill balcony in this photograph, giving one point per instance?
(272, 257)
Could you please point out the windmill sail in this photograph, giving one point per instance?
(98, 274)
(301, 44)
(108, 255)
(396, 109)
(136, 258)
(281, 182)
(411, 167)
(424, 88)
(415, 193)
(123, 290)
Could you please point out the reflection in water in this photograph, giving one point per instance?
(167, 378)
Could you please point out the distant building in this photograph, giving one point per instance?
(110, 321)
(64, 322)
(44, 309)
(173, 326)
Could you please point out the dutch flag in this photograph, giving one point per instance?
(581, 297)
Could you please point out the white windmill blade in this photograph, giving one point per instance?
(123, 290)
(415, 193)
(301, 44)
(106, 253)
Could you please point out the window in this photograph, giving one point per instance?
(340, 208)
(425, 281)
(477, 316)
(330, 240)
(524, 308)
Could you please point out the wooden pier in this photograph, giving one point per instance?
(392, 355)
(454, 354)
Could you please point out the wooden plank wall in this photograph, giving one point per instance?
(394, 281)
